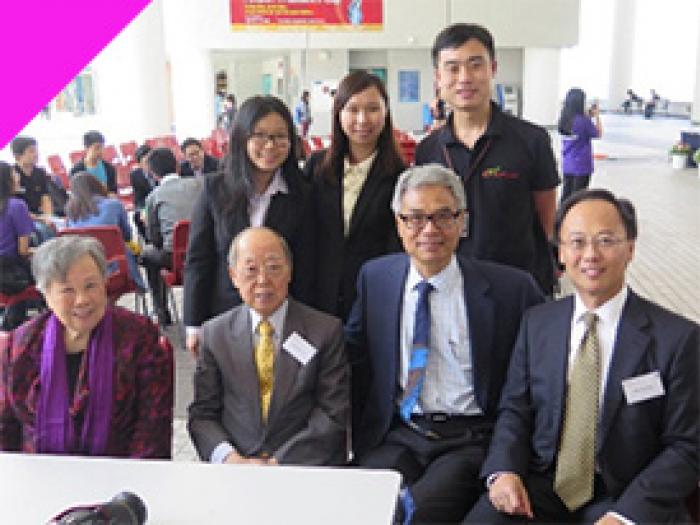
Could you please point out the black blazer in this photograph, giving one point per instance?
(372, 233)
(646, 451)
(208, 290)
(211, 165)
(496, 297)
(109, 171)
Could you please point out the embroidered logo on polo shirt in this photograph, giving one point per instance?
(498, 173)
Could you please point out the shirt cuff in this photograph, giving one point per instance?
(222, 450)
(491, 478)
(621, 518)
(192, 330)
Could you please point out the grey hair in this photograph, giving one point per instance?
(233, 251)
(53, 259)
(428, 175)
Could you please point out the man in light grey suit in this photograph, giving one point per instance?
(286, 405)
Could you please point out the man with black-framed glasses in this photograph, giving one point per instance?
(430, 337)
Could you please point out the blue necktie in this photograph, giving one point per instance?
(419, 351)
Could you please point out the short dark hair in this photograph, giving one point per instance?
(93, 137)
(142, 151)
(191, 142)
(20, 144)
(162, 162)
(457, 34)
(624, 208)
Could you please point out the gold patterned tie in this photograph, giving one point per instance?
(573, 479)
(264, 361)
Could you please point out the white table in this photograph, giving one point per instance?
(34, 488)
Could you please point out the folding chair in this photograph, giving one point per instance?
(174, 276)
(119, 282)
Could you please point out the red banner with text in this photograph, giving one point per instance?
(307, 15)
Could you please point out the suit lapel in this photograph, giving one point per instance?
(557, 342)
(392, 294)
(286, 366)
(481, 317)
(630, 347)
(241, 352)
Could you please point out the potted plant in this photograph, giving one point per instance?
(696, 158)
(679, 155)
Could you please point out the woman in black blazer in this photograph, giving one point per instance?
(353, 184)
(260, 168)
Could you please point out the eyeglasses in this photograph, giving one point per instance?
(261, 139)
(443, 219)
(601, 242)
(271, 269)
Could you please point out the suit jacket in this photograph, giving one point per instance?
(372, 233)
(208, 290)
(142, 408)
(647, 452)
(496, 297)
(211, 165)
(306, 422)
(110, 172)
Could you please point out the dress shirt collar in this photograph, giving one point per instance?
(169, 177)
(608, 313)
(361, 168)
(276, 319)
(442, 281)
(277, 185)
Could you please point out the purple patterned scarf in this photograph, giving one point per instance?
(55, 428)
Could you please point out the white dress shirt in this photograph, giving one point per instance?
(449, 384)
(259, 203)
(276, 319)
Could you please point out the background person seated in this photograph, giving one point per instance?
(16, 226)
(93, 163)
(84, 378)
(90, 205)
(34, 187)
(271, 383)
(196, 161)
(142, 183)
(170, 202)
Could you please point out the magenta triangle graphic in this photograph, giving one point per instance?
(46, 44)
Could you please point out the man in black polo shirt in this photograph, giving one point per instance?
(34, 186)
(507, 164)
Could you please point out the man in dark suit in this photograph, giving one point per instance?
(430, 336)
(196, 161)
(271, 384)
(599, 417)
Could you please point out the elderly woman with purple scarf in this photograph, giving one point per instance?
(86, 377)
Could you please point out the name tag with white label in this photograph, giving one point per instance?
(641, 388)
(299, 348)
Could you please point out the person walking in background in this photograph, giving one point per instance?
(353, 183)
(578, 128)
(302, 114)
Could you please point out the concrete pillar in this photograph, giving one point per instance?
(194, 89)
(622, 51)
(695, 115)
(131, 80)
(541, 70)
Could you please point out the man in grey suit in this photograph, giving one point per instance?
(598, 422)
(271, 383)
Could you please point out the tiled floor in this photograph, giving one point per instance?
(666, 267)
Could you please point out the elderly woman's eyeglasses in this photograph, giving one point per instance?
(261, 139)
(443, 219)
(600, 242)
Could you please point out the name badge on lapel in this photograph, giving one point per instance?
(643, 387)
(299, 348)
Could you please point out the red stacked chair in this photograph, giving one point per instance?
(75, 156)
(111, 155)
(128, 150)
(175, 276)
(125, 192)
(57, 168)
(316, 143)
